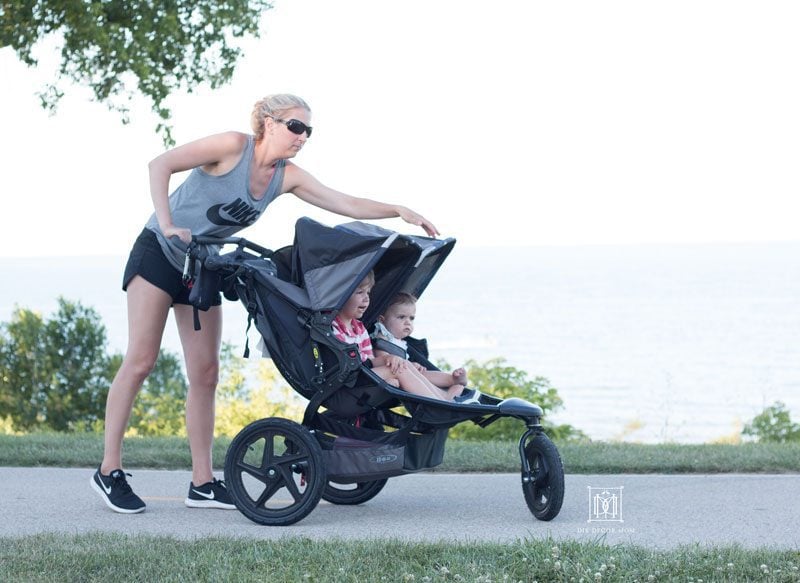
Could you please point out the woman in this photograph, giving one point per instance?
(234, 178)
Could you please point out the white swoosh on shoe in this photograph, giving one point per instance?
(103, 486)
(204, 495)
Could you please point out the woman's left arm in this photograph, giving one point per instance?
(308, 189)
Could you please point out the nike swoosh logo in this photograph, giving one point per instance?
(204, 495)
(103, 486)
(213, 215)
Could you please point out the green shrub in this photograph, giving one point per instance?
(55, 375)
(773, 425)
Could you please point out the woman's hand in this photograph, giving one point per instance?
(417, 219)
(184, 235)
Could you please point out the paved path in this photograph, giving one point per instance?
(658, 511)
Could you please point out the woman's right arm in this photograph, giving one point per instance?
(216, 154)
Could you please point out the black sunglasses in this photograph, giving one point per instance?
(294, 125)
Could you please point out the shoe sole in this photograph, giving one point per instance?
(208, 504)
(103, 495)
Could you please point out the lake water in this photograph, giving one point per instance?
(644, 343)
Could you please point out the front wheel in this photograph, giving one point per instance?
(275, 472)
(359, 493)
(544, 488)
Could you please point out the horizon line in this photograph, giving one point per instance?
(713, 243)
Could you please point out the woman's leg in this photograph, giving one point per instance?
(148, 307)
(201, 353)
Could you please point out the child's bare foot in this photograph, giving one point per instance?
(460, 376)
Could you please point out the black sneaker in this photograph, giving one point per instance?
(212, 494)
(116, 492)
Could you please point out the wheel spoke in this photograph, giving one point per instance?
(290, 459)
(266, 457)
(291, 485)
(257, 473)
(268, 492)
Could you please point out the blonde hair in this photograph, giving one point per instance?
(275, 105)
(369, 279)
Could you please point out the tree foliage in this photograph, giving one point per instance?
(250, 390)
(55, 375)
(773, 425)
(119, 47)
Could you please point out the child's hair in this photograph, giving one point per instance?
(369, 279)
(402, 298)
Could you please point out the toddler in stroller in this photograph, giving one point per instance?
(394, 326)
(391, 367)
(358, 430)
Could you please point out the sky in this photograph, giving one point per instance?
(503, 122)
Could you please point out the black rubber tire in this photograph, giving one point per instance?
(544, 494)
(352, 493)
(271, 456)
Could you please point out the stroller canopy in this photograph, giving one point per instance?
(330, 262)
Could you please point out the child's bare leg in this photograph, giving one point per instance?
(386, 374)
(444, 381)
(418, 378)
(408, 382)
(412, 381)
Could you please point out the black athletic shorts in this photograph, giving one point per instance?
(147, 260)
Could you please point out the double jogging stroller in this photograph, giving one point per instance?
(357, 430)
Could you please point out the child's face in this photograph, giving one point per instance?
(399, 319)
(358, 303)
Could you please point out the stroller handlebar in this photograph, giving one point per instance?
(211, 261)
(238, 241)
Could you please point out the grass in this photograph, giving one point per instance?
(85, 450)
(102, 557)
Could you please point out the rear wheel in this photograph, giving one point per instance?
(544, 492)
(359, 493)
(274, 472)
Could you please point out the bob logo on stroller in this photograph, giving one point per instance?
(384, 459)
(357, 430)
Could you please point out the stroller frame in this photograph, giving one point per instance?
(354, 435)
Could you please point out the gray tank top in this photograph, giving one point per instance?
(217, 206)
